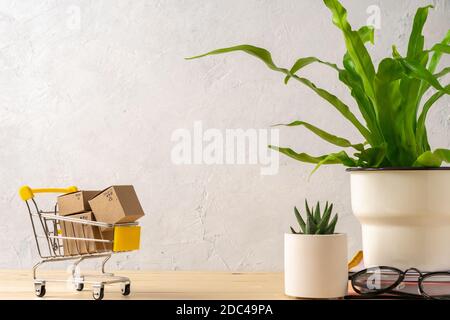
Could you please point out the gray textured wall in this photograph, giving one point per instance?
(91, 91)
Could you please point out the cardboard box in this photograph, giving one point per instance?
(78, 230)
(68, 245)
(117, 204)
(75, 202)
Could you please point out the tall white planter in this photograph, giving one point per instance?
(405, 217)
(315, 266)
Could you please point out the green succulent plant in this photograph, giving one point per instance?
(390, 98)
(316, 221)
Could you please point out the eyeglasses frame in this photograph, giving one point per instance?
(401, 278)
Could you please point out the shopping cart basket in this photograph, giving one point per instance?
(50, 242)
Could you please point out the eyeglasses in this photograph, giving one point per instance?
(378, 280)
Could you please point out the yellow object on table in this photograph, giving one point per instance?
(357, 258)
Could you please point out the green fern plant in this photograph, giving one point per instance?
(316, 221)
(389, 98)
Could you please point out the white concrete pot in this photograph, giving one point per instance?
(315, 266)
(405, 216)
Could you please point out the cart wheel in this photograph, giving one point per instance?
(40, 290)
(126, 289)
(98, 293)
(79, 286)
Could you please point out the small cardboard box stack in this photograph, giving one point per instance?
(79, 230)
(75, 205)
(114, 205)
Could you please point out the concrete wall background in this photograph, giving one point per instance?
(91, 91)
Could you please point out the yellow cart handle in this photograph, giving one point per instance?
(26, 193)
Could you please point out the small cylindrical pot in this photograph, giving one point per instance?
(315, 266)
(405, 216)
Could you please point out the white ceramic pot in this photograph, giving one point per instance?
(405, 216)
(315, 266)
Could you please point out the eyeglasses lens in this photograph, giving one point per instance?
(375, 279)
(437, 286)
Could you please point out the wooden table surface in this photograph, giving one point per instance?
(18, 284)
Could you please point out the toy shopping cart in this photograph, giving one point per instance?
(52, 244)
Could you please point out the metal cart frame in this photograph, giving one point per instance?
(46, 226)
